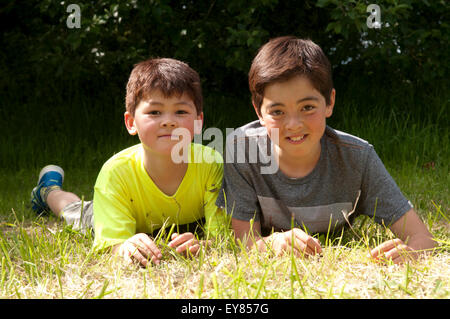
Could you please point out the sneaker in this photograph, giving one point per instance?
(51, 177)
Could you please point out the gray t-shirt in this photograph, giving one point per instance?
(348, 171)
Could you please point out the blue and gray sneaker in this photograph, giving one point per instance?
(51, 177)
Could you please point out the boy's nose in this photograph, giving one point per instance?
(168, 122)
(294, 123)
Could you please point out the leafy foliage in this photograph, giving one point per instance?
(218, 38)
(410, 45)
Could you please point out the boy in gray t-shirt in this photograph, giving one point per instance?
(289, 167)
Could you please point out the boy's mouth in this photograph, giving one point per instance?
(297, 139)
(170, 136)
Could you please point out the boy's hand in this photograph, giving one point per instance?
(184, 242)
(140, 248)
(413, 240)
(395, 250)
(297, 239)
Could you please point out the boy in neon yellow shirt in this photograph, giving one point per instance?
(142, 188)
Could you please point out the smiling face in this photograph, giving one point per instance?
(299, 112)
(157, 116)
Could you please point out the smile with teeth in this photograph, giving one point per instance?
(296, 138)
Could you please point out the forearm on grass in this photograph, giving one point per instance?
(421, 243)
(413, 232)
(250, 234)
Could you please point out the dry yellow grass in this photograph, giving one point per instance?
(223, 272)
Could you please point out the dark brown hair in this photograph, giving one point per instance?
(170, 76)
(283, 58)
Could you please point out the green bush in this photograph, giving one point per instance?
(218, 38)
(411, 45)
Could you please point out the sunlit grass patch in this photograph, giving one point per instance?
(45, 259)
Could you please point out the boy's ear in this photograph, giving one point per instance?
(198, 124)
(129, 123)
(261, 120)
(330, 106)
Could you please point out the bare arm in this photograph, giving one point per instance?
(413, 231)
(244, 232)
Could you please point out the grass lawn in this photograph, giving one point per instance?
(41, 258)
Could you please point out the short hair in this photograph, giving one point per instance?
(170, 76)
(283, 58)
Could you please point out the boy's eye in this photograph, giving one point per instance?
(276, 112)
(309, 107)
(154, 112)
(181, 112)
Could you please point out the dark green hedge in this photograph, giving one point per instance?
(218, 38)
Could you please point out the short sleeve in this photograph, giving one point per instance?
(380, 198)
(113, 221)
(238, 196)
(214, 216)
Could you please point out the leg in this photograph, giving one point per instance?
(58, 199)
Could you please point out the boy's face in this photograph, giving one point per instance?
(299, 112)
(157, 116)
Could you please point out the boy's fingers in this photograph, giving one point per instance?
(385, 247)
(140, 248)
(139, 251)
(148, 247)
(180, 239)
(310, 245)
(398, 260)
(294, 242)
(393, 255)
(400, 254)
(314, 245)
(286, 247)
(187, 245)
(132, 253)
(144, 255)
(194, 249)
(403, 257)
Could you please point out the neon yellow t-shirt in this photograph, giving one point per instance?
(127, 201)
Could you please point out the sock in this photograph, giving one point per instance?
(46, 190)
